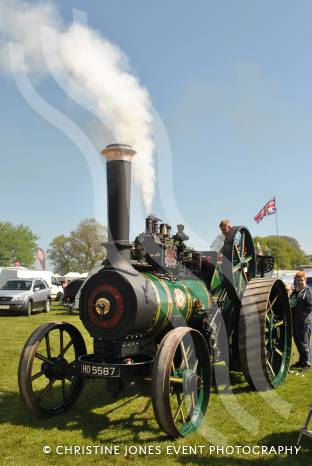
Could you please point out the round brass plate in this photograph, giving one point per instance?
(102, 306)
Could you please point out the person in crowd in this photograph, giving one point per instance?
(225, 226)
(301, 306)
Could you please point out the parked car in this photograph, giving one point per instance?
(70, 292)
(8, 273)
(25, 294)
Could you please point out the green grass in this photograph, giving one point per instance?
(240, 417)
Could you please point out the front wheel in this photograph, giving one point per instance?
(181, 382)
(47, 379)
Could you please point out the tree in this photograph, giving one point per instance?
(286, 251)
(87, 243)
(17, 244)
(61, 253)
(81, 250)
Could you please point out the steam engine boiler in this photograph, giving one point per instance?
(162, 313)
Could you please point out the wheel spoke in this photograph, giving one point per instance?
(46, 389)
(195, 365)
(192, 403)
(185, 355)
(47, 340)
(43, 358)
(51, 396)
(237, 267)
(180, 401)
(61, 342)
(36, 376)
(181, 411)
(71, 380)
(237, 252)
(271, 355)
(173, 366)
(272, 304)
(239, 288)
(278, 324)
(176, 380)
(69, 344)
(64, 389)
(271, 368)
(245, 278)
(242, 244)
(278, 351)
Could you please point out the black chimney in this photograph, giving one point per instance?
(118, 169)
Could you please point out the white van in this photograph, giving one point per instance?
(7, 273)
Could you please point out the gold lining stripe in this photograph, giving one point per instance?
(205, 288)
(170, 301)
(189, 302)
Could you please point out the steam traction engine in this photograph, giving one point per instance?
(157, 310)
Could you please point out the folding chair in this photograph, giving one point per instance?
(305, 430)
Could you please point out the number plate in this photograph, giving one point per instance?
(4, 306)
(98, 370)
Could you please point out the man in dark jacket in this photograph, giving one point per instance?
(301, 306)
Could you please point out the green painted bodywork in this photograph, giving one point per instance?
(175, 299)
(216, 286)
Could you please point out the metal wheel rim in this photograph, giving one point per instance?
(278, 338)
(36, 399)
(179, 404)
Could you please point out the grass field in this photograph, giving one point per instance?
(236, 416)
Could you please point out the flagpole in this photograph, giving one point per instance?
(276, 224)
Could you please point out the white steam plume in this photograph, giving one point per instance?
(100, 68)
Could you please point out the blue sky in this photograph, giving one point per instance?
(231, 81)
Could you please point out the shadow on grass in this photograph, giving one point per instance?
(224, 382)
(114, 414)
(285, 439)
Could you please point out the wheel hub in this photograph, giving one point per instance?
(102, 306)
(55, 370)
(191, 381)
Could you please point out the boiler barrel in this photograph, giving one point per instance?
(175, 299)
(116, 303)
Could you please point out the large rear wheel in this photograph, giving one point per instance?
(265, 333)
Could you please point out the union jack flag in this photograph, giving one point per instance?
(268, 209)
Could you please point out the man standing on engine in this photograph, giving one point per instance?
(225, 227)
(301, 306)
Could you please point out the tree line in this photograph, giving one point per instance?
(77, 252)
(83, 247)
(286, 251)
